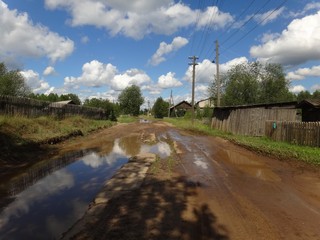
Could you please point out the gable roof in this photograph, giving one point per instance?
(180, 103)
(313, 103)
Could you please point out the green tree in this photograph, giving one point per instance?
(12, 82)
(104, 104)
(242, 86)
(316, 94)
(252, 83)
(70, 96)
(130, 100)
(160, 108)
(303, 95)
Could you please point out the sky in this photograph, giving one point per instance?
(97, 48)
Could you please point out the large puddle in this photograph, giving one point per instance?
(45, 201)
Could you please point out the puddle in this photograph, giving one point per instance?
(252, 167)
(45, 201)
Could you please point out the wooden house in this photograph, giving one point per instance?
(310, 110)
(180, 109)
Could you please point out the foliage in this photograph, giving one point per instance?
(160, 108)
(307, 95)
(12, 83)
(130, 100)
(252, 83)
(53, 97)
(105, 104)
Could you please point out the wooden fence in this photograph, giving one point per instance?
(19, 106)
(249, 121)
(301, 133)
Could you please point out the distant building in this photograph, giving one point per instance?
(310, 110)
(61, 104)
(180, 109)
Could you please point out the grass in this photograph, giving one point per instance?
(127, 119)
(42, 128)
(280, 150)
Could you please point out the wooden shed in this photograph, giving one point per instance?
(250, 120)
(310, 110)
(180, 109)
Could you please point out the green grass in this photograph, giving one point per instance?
(263, 145)
(42, 128)
(127, 119)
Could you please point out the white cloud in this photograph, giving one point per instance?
(307, 8)
(215, 18)
(297, 89)
(302, 73)
(34, 81)
(269, 16)
(315, 87)
(97, 74)
(49, 71)
(138, 18)
(206, 70)
(297, 44)
(168, 81)
(164, 49)
(21, 38)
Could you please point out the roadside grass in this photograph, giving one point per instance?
(263, 145)
(127, 119)
(42, 128)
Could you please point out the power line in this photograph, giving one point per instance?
(252, 29)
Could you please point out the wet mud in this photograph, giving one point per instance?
(201, 188)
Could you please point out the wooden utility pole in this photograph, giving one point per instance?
(218, 75)
(170, 104)
(194, 59)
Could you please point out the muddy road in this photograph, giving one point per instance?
(208, 188)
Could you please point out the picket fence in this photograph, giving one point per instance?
(300, 133)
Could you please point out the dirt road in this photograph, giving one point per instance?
(213, 190)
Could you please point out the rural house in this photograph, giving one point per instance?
(180, 109)
(205, 103)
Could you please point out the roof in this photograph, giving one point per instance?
(265, 105)
(61, 103)
(182, 102)
(313, 103)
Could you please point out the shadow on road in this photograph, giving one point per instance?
(160, 209)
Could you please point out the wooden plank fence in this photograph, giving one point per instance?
(249, 121)
(19, 106)
(300, 133)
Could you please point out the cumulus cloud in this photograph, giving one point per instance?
(165, 48)
(49, 71)
(297, 89)
(297, 44)
(138, 18)
(206, 70)
(97, 74)
(214, 17)
(34, 81)
(302, 73)
(168, 81)
(315, 87)
(21, 38)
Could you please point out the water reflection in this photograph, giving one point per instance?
(47, 200)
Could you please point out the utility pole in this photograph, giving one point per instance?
(170, 104)
(148, 108)
(194, 59)
(218, 75)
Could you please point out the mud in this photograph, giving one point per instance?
(208, 188)
(215, 190)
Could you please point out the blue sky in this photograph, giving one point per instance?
(96, 48)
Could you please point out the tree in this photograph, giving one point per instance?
(71, 96)
(12, 83)
(104, 104)
(130, 100)
(252, 83)
(303, 95)
(160, 108)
